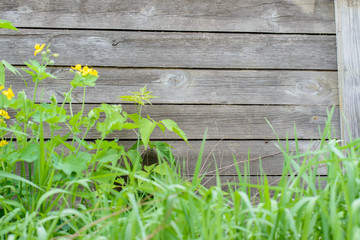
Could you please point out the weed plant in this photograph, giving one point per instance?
(68, 188)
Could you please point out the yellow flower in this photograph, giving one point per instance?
(4, 114)
(1, 88)
(3, 143)
(38, 48)
(86, 70)
(94, 72)
(77, 67)
(9, 93)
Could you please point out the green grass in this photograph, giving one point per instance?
(164, 205)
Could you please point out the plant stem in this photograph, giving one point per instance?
(138, 108)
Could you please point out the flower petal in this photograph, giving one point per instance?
(38, 48)
(9, 93)
(77, 67)
(94, 72)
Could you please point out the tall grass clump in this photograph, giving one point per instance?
(71, 188)
(301, 205)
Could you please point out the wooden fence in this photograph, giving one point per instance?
(223, 65)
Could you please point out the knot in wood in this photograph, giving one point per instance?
(177, 79)
(318, 87)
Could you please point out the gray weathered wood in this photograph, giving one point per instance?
(223, 152)
(196, 86)
(348, 45)
(209, 181)
(232, 121)
(245, 152)
(233, 182)
(299, 16)
(175, 50)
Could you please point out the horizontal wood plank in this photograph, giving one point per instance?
(252, 154)
(195, 86)
(260, 157)
(299, 16)
(231, 121)
(233, 181)
(175, 50)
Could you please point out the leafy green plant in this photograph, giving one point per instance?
(48, 141)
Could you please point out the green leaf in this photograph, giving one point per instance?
(149, 168)
(146, 127)
(82, 81)
(18, 178)
(139, 97)
(113, 121)
(45, 75)
(173, 127)
(74, 120)
(15, 131)
(130, 126)
(84, 143)
(30, 153)
(134, 157)
(73, 163)
(163, 149)
(60, 139)
(11, 157)
(7, 25)
(110, 155)
(135, 117)
(146, 187)
(161, 127)
(2, 74)
(12, 69)
(161, 169)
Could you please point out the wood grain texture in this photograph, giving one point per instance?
(195, 86)
(233, 182)
(246, 153)
(253, 154)
(298, 16)
(175, 50)
(348, 45)
(231, 121)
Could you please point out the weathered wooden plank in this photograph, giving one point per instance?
(232, 121)
(253, 154)
(299, 16)
(233, 182)
(197, 86)
(348, 45)
(175, 50)
(246, 153)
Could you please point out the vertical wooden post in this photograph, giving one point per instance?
(348, 49)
